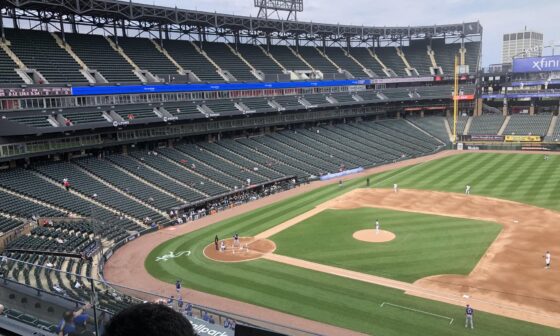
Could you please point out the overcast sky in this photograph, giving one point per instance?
(496, 16)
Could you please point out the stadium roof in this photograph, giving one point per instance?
(121, 10)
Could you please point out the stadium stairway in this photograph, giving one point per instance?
(468, 125)
(552, 126)
(219, 70)
(167, 55)
(257, 73)
(121, 52)
(272, 58)
(504, 125)
(303, 60)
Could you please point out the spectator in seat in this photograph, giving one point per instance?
(149, 319)
(72, 318)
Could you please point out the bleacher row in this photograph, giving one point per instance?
(116, 59)
(125, 189)
(202, 109)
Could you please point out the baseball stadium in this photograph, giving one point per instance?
(169, 171)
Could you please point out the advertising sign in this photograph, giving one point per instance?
(523, 138)
(537, 64)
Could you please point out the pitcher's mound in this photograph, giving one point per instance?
(249, 248)
(371, 236)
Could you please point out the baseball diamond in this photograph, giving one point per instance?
(449, 249)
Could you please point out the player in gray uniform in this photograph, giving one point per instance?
(469, 317)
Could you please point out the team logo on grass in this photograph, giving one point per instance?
(173, 255)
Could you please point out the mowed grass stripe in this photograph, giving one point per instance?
(322, 297)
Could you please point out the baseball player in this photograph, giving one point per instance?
(468, 190)
(178, 286)
(469, 317)
(395, 187)
(236, 240)
(547, 258)
(216, 240)
(222, 246)
(376, 226)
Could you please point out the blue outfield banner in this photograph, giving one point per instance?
(157, 88)
(536, 64)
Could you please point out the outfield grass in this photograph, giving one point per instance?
(525, 178)
(330, 299)
(424, 245)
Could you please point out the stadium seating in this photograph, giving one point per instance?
(391, 59)
(189, 58)
(137, 167)
(84, 116)
(417, 55)
(472, 56)
(7, 70)
(338, 55)
(87, 185)
(288, 102)
(7, 224)
(223, 107)
(343, 97)
(258, 104)
(528, 125)
(364, 57)
(24, 208)
(445, 55)
(461, 123)
(316, 60)
(433, 125)
(287, 58)
(39, 50)
(96, 52)
(227, 60)
(259, 60)
(486, 124)
(35, 120)
(144, 54)
(183, 109)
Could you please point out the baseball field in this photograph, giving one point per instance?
(445, 249)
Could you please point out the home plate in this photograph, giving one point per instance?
(516, 221)
(465, 296)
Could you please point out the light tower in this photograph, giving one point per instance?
(269, 8)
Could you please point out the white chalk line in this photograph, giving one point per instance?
(418, 311)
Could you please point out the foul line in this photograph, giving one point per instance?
(418, 311)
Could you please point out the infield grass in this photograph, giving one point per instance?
(424, 245)
(349, 303)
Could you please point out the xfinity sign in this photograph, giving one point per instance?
(537, 64)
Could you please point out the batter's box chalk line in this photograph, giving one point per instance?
(417, 310)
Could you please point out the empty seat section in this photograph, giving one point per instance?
(32, 120)
(89, 186)
(184, 53)
(316, 99)
(472, 55)
(227, 60)
(338, 55)
(445, 54)
(363, 56)
(78, 117)
(183, 109)
(25, 208)
(288, 102)
(143, 52)
(528, 125)
(128, 184)
(138, 168)
(389, 57)
(417, 56)
(317, 61)
(461, 123)
(98, 54)
(258, 104)
(8, 74)
(39, 50)
(486, 124)
(287, 58)
(132, 112)
(343, 97)
(258, 59)
(434, 125)
(223, 107)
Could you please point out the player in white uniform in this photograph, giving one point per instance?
(547, 258)
(376, 226)
(395, 187)
(222, 246)
(468, 189)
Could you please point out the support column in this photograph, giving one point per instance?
(532, 109)
(61, 30)
(421, 113)
(3, 37)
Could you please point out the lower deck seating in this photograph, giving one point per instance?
(486, 124)
(528, 125)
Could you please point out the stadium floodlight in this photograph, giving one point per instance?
(268, 8)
